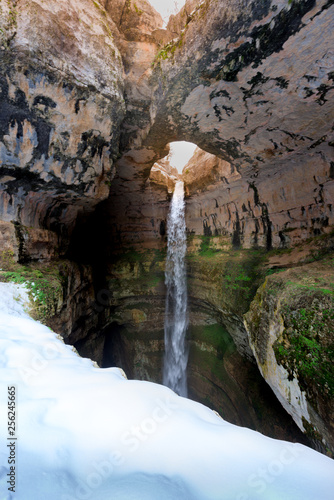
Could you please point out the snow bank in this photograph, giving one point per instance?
(14, 300)
(88, 433)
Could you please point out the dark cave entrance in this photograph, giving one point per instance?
(124, 241)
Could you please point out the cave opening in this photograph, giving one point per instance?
(124, 241)
(171, 167)
(93, 96)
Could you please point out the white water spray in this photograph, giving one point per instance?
(176, 319)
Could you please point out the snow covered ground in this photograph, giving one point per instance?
(88, 433)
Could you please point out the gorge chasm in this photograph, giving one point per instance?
(91, 95)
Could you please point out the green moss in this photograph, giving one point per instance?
(152, 280)
(128, 5)
(271, 271)
(139, 11)
(109, 33)
(311, 431)
(168, 50)
(9, 23)
(234, 275)
(211, 351)
(205, 248)
(138, 271)
(306, 348)
(45, 284)
(203, 8)
(165, 52)
(7, 260)
(159, 255)
(213, 335)
(279, 251)
(215, 343)
(320, 253)
(242, 275)
(133, 255)
(100, 8)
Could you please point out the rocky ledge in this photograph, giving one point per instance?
(290, 324)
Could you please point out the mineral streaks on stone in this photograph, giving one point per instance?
(62, 104)
(93, 91)
(276, 208)
(252, 106)
(295, 308)
(77, 38)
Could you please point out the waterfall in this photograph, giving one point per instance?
(176, 319)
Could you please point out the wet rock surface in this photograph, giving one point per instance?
(290, 323)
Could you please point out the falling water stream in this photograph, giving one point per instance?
(176, 319)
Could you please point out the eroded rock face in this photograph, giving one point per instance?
(218, 375)
(222, 85)
(139, 26)
(278, 209)
(253, 85)
(61, 107)
(85, 83)
(203, 171)
(136, 211)
(257, 53)
(135, 19)
(290, 323)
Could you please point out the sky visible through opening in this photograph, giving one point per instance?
(180, 153)
(167, 7)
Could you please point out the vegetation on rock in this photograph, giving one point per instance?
(306, 348)
(45, 283)
(293, 315)
(236, 274)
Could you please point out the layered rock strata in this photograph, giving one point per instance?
(62, 105)
(290, 323)
(253, 85)
(218, 375)
(277, 210)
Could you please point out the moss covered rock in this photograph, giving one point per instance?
(226, 280)
(291, 324)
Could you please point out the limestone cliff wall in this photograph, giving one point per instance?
(247, 82)
(278, 209)
(290, 323)
(252, 82)
(61, 108)
(91, 94)
(218, 375)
